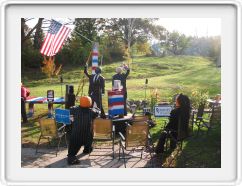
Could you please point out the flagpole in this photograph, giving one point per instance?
(83, 36)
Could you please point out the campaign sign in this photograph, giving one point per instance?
(62, 116)
(50, 95)
(162, 110)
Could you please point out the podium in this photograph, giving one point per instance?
(115, 103)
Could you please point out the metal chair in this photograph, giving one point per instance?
(183, 133)
(103, 130)
(49, 130)
(214, 119)
(137, 138)
(198, 120)
(180, 135)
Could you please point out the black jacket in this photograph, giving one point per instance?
(173, 120)
(122, 78)
(96, 83)
(178, 121)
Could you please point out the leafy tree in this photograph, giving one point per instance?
(177, 43)
(207, 47)
(131, 30)
(143, 48)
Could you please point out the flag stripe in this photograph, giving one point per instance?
(48, 47)
(54, 39)
(65, 35)
(57, 39)
(45, 43)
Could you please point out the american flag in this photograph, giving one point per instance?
(54, 39)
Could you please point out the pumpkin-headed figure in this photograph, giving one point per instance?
(85, 102)
(81, 134)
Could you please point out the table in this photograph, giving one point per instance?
(120, 125)
(31, 100)
(212, 101)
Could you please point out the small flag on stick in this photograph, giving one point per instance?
(54, 39)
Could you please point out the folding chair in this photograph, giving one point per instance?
(215, 118)
(137, 136)
(103, 130)
(198, 120)
(183, 133)
(49, 130)
(140, 118)
(179, 136)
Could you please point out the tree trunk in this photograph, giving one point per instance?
(38, 34)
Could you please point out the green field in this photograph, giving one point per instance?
(169, 75)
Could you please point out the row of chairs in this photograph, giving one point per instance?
(213, 119)
(137, 135)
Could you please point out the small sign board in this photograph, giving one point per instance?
(162, 110)
(50, 95)
(62, 116)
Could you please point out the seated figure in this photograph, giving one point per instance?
(182, 113)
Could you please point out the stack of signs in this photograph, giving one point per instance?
(115, 103)
(94, 57)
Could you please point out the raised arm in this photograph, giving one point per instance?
(112, 81)
(127, 73)
(86, 73)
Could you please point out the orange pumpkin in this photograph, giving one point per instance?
(85, 101)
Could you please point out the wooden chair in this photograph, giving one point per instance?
(141, 118)
(49, 130)
(184, 131)
(137, 138)
(215, 119)
(198, 120)
(103, 130)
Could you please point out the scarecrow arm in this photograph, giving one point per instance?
(85, 72)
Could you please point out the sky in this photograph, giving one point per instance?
(200, 27)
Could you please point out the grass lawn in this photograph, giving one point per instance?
(168, 75)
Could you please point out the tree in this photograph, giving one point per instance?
(38, 36)
(26, 32)
(132, 30)
(177, 43)
(207, 47)
(143, 48)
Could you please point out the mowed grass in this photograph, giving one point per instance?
(167, 75)
(164, 74)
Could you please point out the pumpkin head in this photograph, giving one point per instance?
(85, 101)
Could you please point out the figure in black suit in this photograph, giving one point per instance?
(122, 77)
(96, 88)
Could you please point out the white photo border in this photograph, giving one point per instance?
(4, 82)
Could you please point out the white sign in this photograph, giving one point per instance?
(162, 110)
